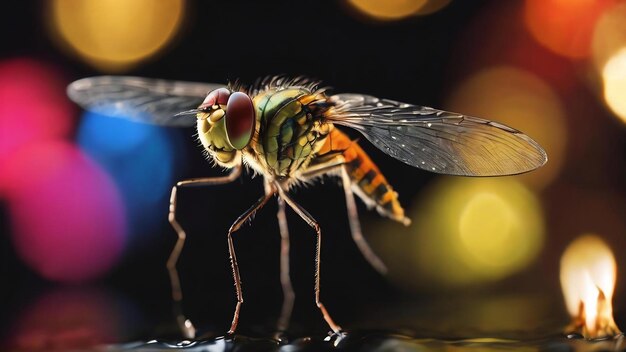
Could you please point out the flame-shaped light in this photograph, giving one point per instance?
(588, 273)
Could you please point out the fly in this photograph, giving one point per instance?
(285, 129)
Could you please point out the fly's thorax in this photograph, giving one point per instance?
(290, 129)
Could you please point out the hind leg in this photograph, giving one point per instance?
(353, 216)
(355, 226)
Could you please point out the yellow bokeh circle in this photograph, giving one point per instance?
(466, 231)
(114, 35)
(487, 223)
(390, 10)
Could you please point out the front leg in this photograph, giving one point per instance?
(285, 279)
(185, 324)
(233, 258)
(313, 223)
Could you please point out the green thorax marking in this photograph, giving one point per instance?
(290, 129)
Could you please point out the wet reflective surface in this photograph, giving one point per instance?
(377, 341)
(96, 319)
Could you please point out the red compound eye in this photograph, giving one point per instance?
(218, 96)
(239, 120)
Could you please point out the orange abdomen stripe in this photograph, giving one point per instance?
(369, 182)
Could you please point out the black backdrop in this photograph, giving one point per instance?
(406, 60)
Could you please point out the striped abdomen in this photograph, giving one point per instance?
(367, 180)
(290, 129)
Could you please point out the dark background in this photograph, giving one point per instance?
(416, 60)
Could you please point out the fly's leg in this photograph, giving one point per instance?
(353, 216)
(233, 258)
(355, 226)
(185, 324)
(323, 169)
(313, 223)
(285, 279)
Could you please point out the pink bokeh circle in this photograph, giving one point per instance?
(66, 214)
(33, 106)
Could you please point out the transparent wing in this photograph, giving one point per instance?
(154, 101)
(436, 140)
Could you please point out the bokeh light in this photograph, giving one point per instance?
(432, 6)
(565, 26)
(141, 159)
(114, 35)
(609, 35)
(523, 101)
(609, 54)
(71, 318)
(504, 40)
(467, 231)
(614, 78)
(66, 215)
(396, 9)
(33, 107)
